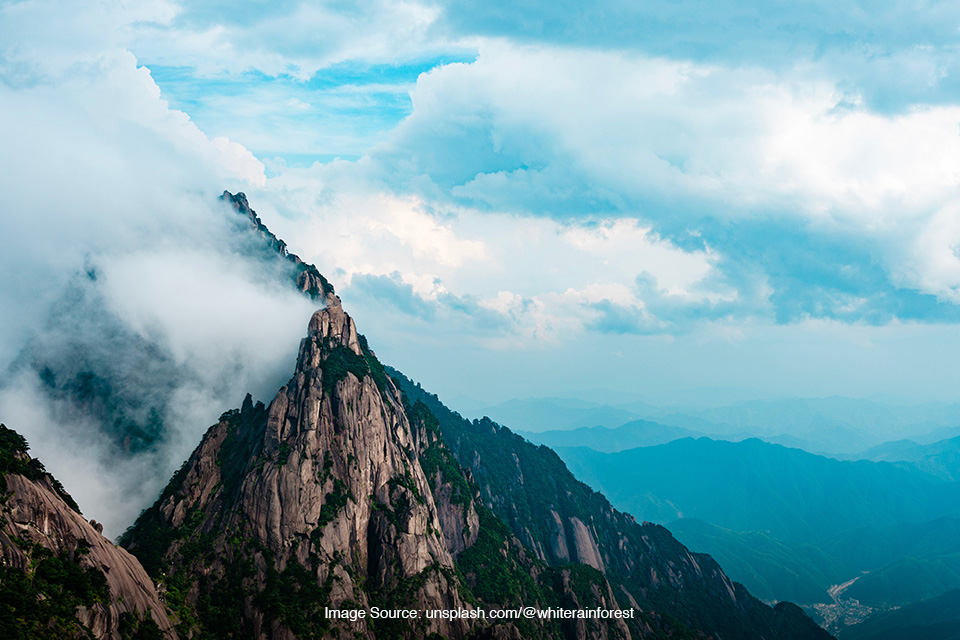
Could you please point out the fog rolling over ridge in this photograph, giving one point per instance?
(133, 309)
(142, 349)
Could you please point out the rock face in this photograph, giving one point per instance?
(321, 493)
(57, 569)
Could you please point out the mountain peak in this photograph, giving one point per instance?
(322, 490)
(334, 327)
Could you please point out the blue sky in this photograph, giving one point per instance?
(537, 198)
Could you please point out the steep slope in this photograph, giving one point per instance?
(770, 568)
(561, 520)
(501, 572)
(893, 565)
(60, 578)
(865, 549)
(317, 500)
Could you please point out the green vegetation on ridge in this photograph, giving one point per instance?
(529, 487)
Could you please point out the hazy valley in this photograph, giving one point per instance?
(847, 535)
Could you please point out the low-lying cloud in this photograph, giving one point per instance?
(131, 312)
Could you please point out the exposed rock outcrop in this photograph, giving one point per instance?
(321, 491)
(62, 562)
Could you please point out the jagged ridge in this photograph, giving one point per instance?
(307, 278)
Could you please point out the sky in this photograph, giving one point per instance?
(524, 197)
(649, 200)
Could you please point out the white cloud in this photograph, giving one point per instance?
(629, 249)
(638, 125)
(578, 134)
(235, 159)
(100, 176)
(49, 37)
(541, 276)
(296, 41)
(207, 307)
(95, 161)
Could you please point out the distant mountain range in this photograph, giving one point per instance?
(636, 433)
(790, 524)
(941, 459)
(822, 425)
(753, 485)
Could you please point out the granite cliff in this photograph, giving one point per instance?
(316, 500)
(59, 577)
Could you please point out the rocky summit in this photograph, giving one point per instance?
(317, 501)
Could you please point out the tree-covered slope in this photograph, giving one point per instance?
(893, 565)
(770, 568)
(562, 520)
(935, 619)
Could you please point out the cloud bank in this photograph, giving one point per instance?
(125, 273)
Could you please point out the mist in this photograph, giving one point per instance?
(134, 308)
